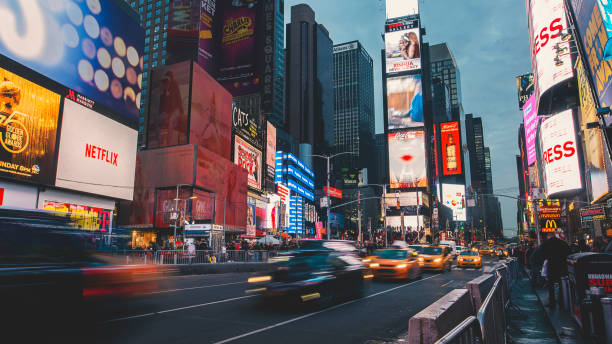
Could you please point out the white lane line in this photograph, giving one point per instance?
(179, 309)
(192, 288)
(449, 282)
(315, 313)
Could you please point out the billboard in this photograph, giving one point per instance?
(401, 8)
(206, 37)
(28, 129)
(404, 102)
(560, 156)
(450, 138)
(247, 126)
(332, 192)
(82, 216)
(270, 148)
(530, 120)
(548, 23)
(402, 45)
(452, 197)
(96, 154)
(169, 105)
(524, 85)
(249, 158)
(405, 199)
(594, 26)
(410, 222)
(407, 160)
(92, 47)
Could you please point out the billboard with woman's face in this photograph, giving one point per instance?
(405, 102)
(402, 46)
(407, 160)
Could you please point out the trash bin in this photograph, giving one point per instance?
(586, 270)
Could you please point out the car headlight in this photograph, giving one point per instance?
(367, 260)
(437, 260)
(259, 279)
(374, 265)
(401, 266)
(420, 259)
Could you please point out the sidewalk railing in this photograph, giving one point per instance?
(467, 332)
(197, 257)
(491, 315)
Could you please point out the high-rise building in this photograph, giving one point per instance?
(476, 148)
(488, 172)
(309, 88)
(381, 170)
(353, 129)
(444, 66)
(441, 101)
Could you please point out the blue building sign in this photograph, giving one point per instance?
(294, 174)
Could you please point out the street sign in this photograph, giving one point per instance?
(550, 212)
(324, 202)
(333, 192)
(174, 215)
(549, 226)
(593, 213)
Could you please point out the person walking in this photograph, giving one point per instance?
(555, 251)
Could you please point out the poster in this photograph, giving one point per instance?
(530, 120)
(206, 39)
(524, 86)
(405, 102)
(249, 158)
(407, 159)
(453, 197)
(402, 46)
(451, 148)
(271, 148)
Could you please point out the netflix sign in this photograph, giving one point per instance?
(96, 154)
(559, 154)
(451, 148)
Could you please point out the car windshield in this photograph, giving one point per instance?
(391, 254)
(416, 248)
(469, 253)
(432, 250)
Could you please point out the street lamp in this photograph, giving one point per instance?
(384, 205)
(328, 157)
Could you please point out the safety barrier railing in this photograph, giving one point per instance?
(491, 315)
(194, 257)
(467, 332)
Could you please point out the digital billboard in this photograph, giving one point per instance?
(401, 8)
(294, 174)
(168, 105)
(93, 47)
(407, 160)
(83, 217)
(405, 102)
(524, 86)
(270, 148)
(206, 37)
(530, 120)
(249, 158)
(402, 45)
(548, 23)
(450, 137)
(405, 199)
(410, 222)
(96, 154)
(595, 28)
(28, 129)
(247, 126)
(453, 197)
(559, 153)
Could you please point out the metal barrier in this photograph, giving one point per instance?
(606, 304)
(491, 315)
(197, 257)
(467, 332)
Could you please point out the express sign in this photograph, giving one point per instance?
(558, 143)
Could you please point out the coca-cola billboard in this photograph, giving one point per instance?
(407, 160)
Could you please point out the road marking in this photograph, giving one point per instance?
(191, 288)
(449, 282)
(179, 309)
(317, 312)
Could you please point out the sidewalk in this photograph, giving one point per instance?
(565, 327)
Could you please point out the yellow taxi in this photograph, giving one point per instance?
(436, 258)
(486, 251)
(469, 259)
(394, 263)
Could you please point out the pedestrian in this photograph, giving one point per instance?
(555, 251)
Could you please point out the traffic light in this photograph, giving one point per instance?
(359, 197)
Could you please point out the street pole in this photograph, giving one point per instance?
(385, 213)
(328, 201)
(537, 221)
(176, 200)
(359, 223)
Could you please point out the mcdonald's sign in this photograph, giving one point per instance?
(548, 225)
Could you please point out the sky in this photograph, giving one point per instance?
(490, 42)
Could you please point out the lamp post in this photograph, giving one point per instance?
(384, 206)
(176, 200)
(328, 157)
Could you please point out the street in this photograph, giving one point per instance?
(215, 309)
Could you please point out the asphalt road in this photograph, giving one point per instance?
(215, 309)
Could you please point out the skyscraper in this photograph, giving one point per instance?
(309, 87)
(353, 129)
(475, 144)
(444, 67)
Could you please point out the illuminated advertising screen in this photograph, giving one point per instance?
(450, 138)
(530, 120)
(96, 154)
(81, 216)
(294, 174)
(405, 199)
(249, 158)
(405, 102)
(595, 28)
(168, 105)
(270, 148)
(402, 45)
(92, 47)
(559, 154)
(247, 126)
(401, 8)
(452, 197)
(28, 129)
(407, 160)
(410, 222)
(524, 85)
(548, 23)
(206, 42)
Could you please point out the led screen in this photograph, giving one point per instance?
(452, 197)
(530, 120)
(403, 46)
(401, 8)
(249, 158)
(405, 102)
(407, 161)
(450, 137)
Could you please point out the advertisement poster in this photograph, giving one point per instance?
(405, 102)
(452, 197)
(530, 120)
(593, 138)
(206, 39)
(548, 23)
(451, 148)
(403, 46)
(249, 158)
(524, 85)
(211, 119)
(81, 216)
(247, 126)
(270, 148)
(559, 153)
(92, 47)
(96, 154)
(251, 220)
(407, 160)
(168, 106)
(28, 129)
(166, 205)
(237, 22)
(203, 205)
(404, 198)
(401, 8)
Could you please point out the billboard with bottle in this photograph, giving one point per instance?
(450, 136)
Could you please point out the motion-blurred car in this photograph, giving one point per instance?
(469, 259)
(305, 276)
(486, 251)
(417, 248)
(395, 264)
(436, 258)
